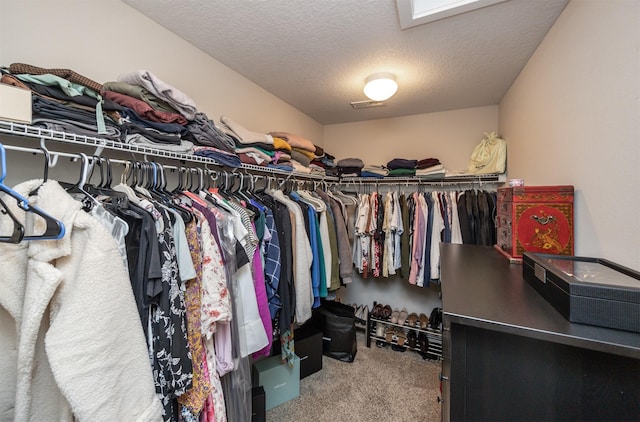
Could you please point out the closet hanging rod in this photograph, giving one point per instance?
(91, 158)
(20, 129)
(56, 154)
(39, 151)
(444, 181)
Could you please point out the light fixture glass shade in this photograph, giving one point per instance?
(380, 87)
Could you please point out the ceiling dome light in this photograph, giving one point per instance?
(381, 86)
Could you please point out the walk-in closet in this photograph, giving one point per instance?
(208, 214)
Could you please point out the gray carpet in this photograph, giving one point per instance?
(380, 385)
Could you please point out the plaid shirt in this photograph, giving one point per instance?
(272, 265)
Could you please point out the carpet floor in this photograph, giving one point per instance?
(379, 385)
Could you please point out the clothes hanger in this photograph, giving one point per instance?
(54, 228)
(18, 228)
(158, 191)
(88, 200)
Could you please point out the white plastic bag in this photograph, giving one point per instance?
(490, 156)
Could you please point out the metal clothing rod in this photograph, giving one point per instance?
(464, 179)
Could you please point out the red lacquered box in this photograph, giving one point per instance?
(535, 219)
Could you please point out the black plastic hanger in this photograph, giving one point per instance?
(18, 228)
(54, 228)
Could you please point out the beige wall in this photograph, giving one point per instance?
(572, 117)
(449, 136)
(102, 39)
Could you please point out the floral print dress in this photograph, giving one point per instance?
(170, 352)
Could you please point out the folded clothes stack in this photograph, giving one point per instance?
(152, 106)
(402, 167)
(375, 171)
(430, 167)
(303, 151)
(350, 167)
(140, 109)
(65, 98)
(255, 148)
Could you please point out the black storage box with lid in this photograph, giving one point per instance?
(587, 290)
(258, 404)
(308, 346)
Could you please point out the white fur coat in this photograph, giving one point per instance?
(70, 336)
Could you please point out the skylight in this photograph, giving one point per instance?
(418, 12)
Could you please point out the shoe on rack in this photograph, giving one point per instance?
(398, 348)
(389, 334)
(358, 312)
(376, 312)
(402, 317)
(424, 321)
(412, 320)
(394, 316)
(412, 339)
(364, 315)
(380, 343)
(423, 342)
(386, 312)
(380, 328)
(436, 318)
(401, 337)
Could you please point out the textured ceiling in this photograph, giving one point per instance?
(316, 54)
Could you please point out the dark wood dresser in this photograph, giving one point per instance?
(508, 355)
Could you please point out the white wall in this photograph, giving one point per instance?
(572, 117)
(103, 39)
(449, 136)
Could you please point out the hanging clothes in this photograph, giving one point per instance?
(95, 365)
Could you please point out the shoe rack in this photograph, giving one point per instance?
(378, 329)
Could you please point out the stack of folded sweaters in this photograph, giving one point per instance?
(257, 148)
(427, 167)
(402, 167)
(302, 150)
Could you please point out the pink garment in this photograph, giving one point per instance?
(143, 109)
(263, 302)
(418, 244)
(208, 412)
(224, 349)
